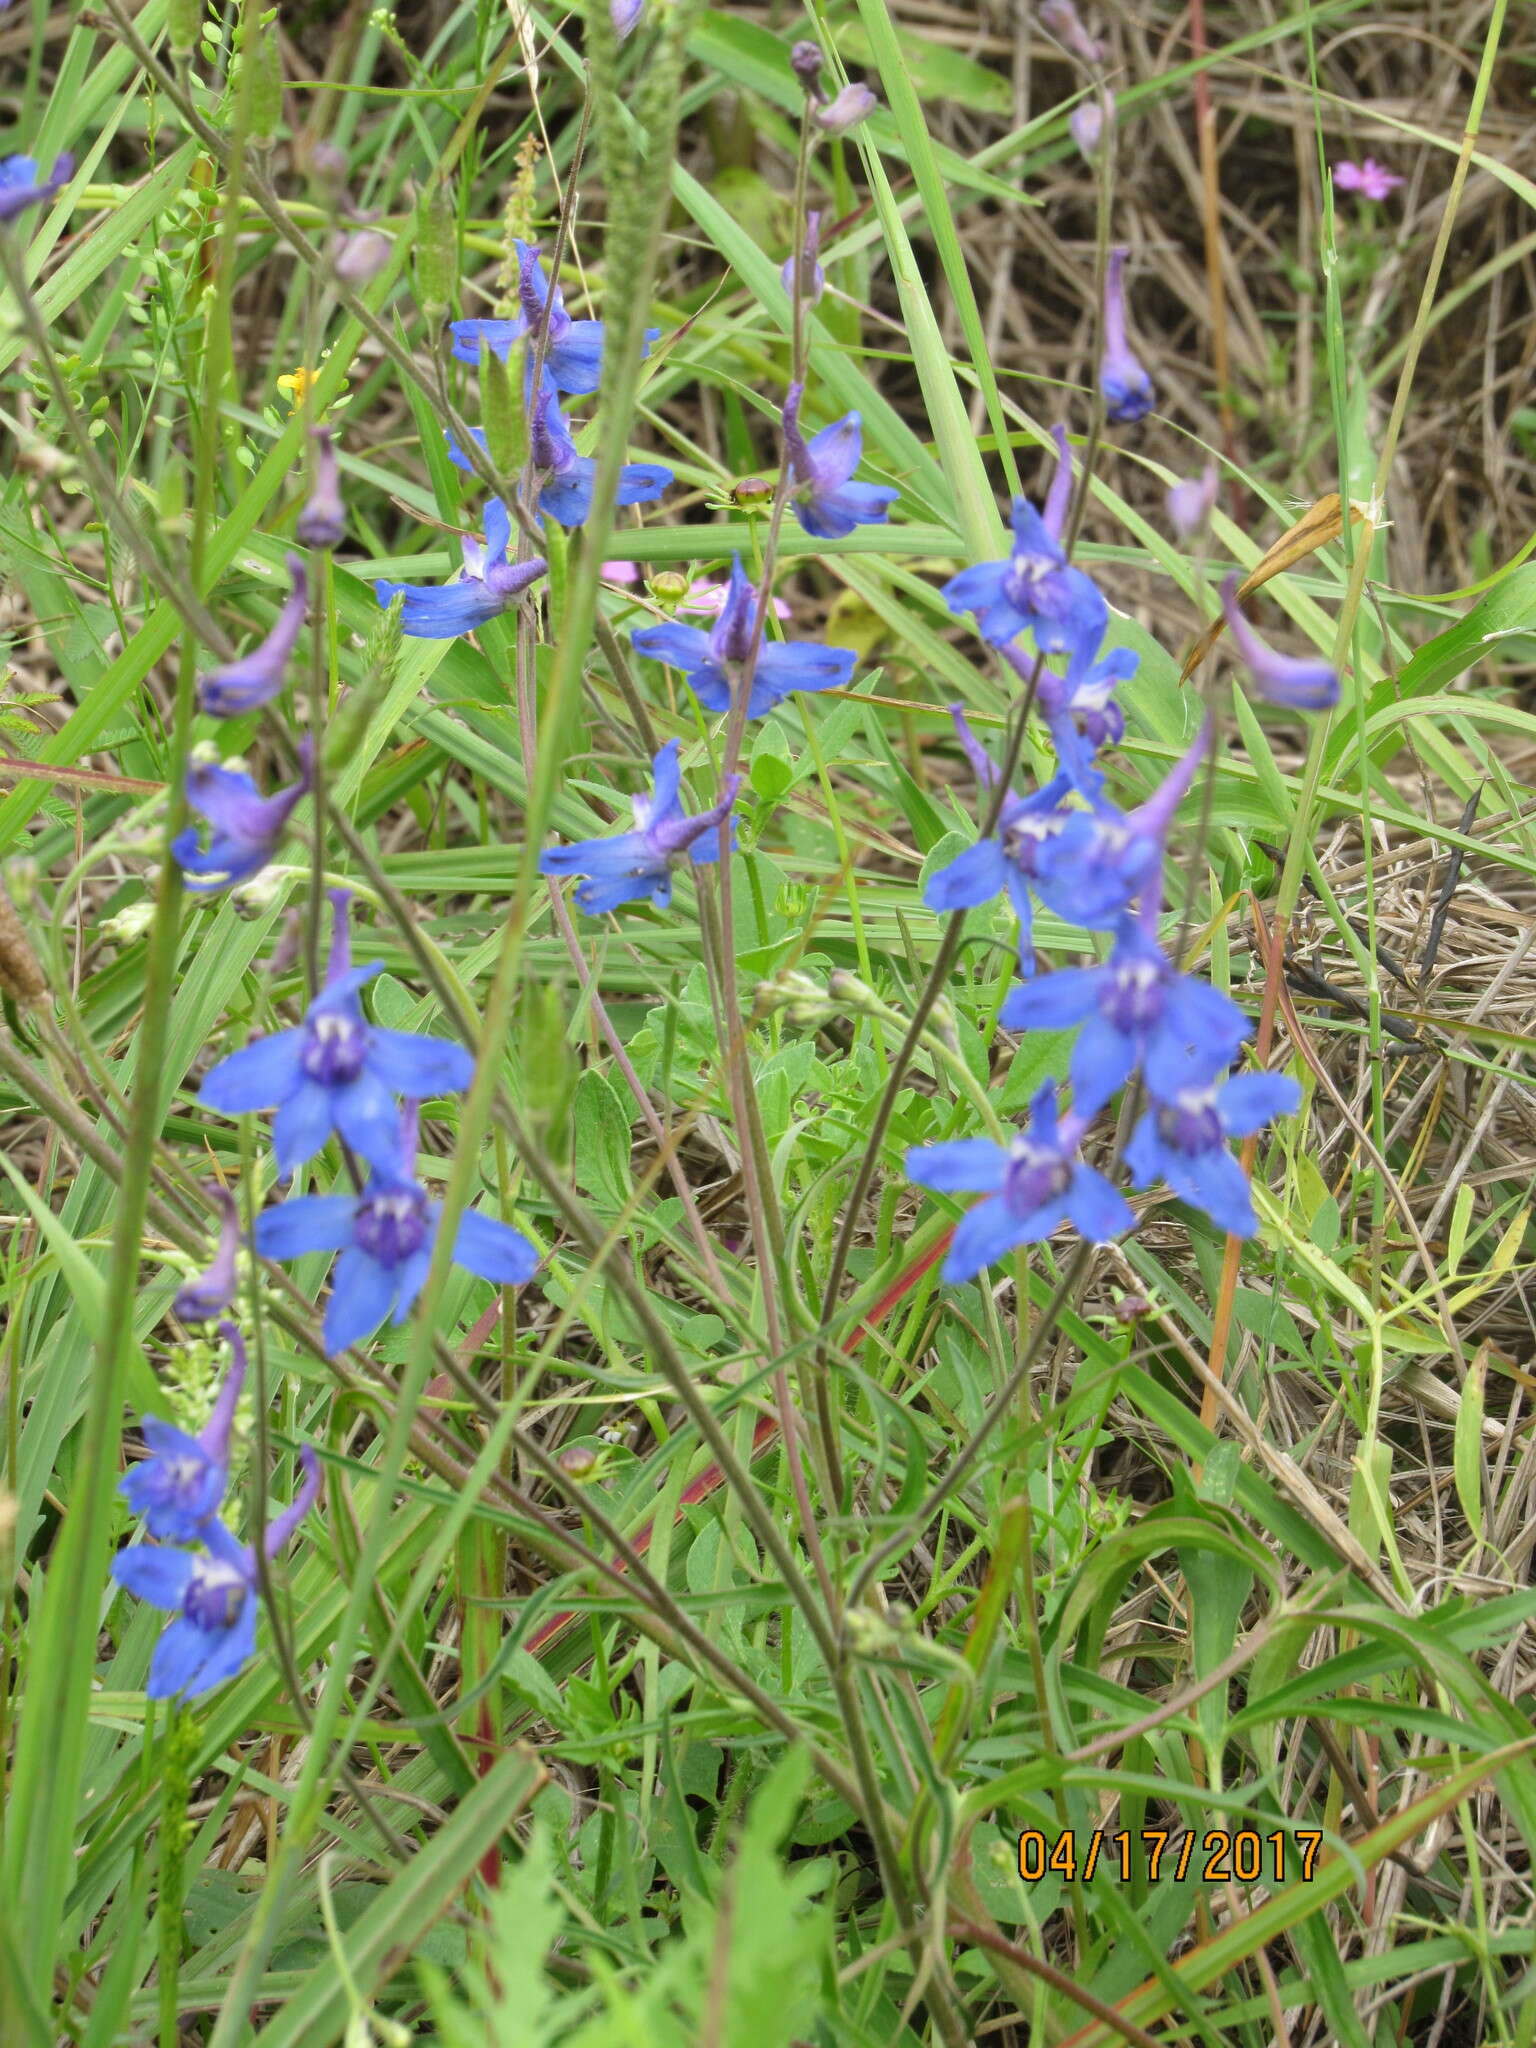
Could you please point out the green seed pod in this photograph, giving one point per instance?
(265, 87)
(506, 422)
(437, 250)
(184, 20)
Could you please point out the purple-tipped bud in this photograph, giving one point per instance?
(255, 679)
(328, 170)
(855, 103)
(357, 259)
(1191, 502)
(282, 1526)
(1060, 17)
(210, 1293)
(806, 60)
(752, 490)
(624, 14)
(803, 274)
(1090, 121)
(1292, 683)
(323, 522)
(1127, 389)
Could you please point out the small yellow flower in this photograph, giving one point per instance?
(297, 385)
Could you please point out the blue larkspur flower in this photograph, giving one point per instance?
(1036, 590)
(212, 1592)
(385, 1237)
(1031, 1187)
(181, 1483)
(825, 500)
(573, 351)
(708, 659)
(1084, 863)
(336, 1071)
(632, 866)
(1291, 682)
(256, 678)
(246, 825)
(491, 585)
(566, 493)
(1080, 707)
(1134, 1010)
(1127, 389)
(1183, 1140)
(21, 186)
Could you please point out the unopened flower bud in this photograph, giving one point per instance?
(752, 490)
(802, 273)
(357, 259)
(1061, 18)
(1191, 502)
(855, 103)
(578, 1461)
(256, 897)
(1089, 121)
(323, 522)
(328, 171)
(1130, 1308)
(943, 1021)
(624, 14)
(806, 60)
(127, 924)
(670, 587)
(846, 988)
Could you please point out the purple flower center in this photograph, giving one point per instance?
(1134, 997)
(336, 1048)
(215, 1595)
(1190, 1125)
(1024, 586)
(1026, 834)
(392, 1227)
(1034, 1176)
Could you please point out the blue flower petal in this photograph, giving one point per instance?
(681, 647)
(974, 589)
(1100, 1212)
(160, 1576)
(301, 1126)
(984, 1235)
(305, 1223)
(972, 877)
(1103, 1060)
(1213, 1181)
(494, 1250)
(365, 1113)
(413, 1064)
(1053, 1002)
(640, 482)
(362, 1293)
(959, 1166)
(1249, 1101)
(259, 1076)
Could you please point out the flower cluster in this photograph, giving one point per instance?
(1139, 1020)
(205, 1577)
